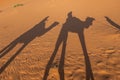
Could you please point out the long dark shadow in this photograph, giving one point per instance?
(112, 22)
(74, 25)
(62, 38)
(89, 73)
(37, 31)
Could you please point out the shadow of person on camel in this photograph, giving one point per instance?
(74, 25)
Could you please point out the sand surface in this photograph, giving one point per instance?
(18, 19)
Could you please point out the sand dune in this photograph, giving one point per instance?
(31, 31)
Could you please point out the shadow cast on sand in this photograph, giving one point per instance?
(112, 22)
(74, 25)
(37, 31)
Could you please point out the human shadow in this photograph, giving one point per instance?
(112, 22)
(74, 25)
(37, 31)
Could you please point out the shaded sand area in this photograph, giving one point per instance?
(32, 30)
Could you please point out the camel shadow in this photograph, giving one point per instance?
(112, 22)
(74, 25)
(37, 31)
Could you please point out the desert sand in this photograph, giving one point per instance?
(29, 32)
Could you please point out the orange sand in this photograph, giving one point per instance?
(102, 39)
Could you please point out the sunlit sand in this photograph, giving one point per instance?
(59, 40)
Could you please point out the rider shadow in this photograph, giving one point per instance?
(37, 31)
(112, 22)
(74, 25)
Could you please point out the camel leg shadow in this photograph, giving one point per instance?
(89, 73)
(62, 38)
(8, 48)
(11, 59)
(62, 60)
(4, 49)
(51, 61)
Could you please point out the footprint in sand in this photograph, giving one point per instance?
(78, 75)
(104, 75)
(110, 51)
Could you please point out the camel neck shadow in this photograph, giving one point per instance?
(112, 22)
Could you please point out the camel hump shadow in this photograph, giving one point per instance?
(75, 25)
